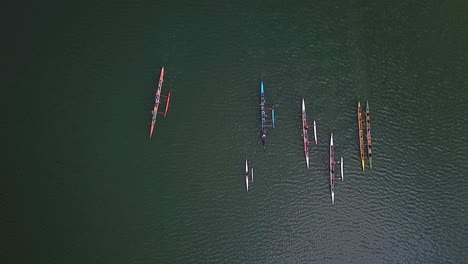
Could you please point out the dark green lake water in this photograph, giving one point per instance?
(82, 182)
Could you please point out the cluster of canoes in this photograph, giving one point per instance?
(270, 122)
(267, 120)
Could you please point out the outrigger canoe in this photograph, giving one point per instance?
(157, 100)
(369, 138)
(332, 169)
(247, 174)
(263, 116)
(305, 135)
(361, 134)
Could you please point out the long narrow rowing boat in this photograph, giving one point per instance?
(263, 116)
(369, 138)
(246, 175)
(157, 100)
(332, 169)
(361, 134)
(305, 135)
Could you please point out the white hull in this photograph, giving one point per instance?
(247, 182)
(342, 173)
(315, 133)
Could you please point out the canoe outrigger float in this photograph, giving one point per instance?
(263, 116)
(305, 135)
(247, 174)
(332, 169)
(369, 138)
(157, 100)
(361, 134)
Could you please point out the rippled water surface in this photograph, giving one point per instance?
(84, 184)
